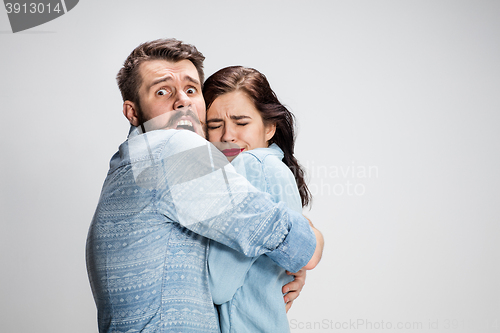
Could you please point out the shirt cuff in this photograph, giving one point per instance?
(298, 246)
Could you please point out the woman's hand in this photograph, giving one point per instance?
(293, 289)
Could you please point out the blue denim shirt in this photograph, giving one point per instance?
(166, 194)
(248, 290)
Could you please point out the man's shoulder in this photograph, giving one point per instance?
(183, 143)
(185, 138)
(169, 141)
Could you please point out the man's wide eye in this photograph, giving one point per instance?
(161, 92)
(191, 90)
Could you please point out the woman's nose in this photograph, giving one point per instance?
(228, 134)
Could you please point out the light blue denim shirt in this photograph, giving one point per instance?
(248, 290)
(166, 194)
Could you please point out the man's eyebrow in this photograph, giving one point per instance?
(193, 80)
(169, 78)
(160, 80)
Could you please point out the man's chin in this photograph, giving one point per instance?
(195, 129)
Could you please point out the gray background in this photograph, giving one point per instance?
(398, 111)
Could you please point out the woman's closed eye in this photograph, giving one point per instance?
(212, 127)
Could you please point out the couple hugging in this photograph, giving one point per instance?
(199, 226)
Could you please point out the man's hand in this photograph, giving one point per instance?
(293, 289)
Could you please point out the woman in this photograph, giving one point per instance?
(243, 111)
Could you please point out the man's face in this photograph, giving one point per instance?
(167, 86)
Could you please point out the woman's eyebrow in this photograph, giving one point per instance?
(240, 117)
(214, 120)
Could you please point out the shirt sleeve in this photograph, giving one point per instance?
(198, 188)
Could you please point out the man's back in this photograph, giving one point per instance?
(146, 272)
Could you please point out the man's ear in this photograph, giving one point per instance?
(270, 130)
(130, 112)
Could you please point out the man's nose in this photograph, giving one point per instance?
(182, 100)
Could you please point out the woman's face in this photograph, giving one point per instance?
(233, 118)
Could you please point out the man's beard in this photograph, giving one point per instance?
(173, 120)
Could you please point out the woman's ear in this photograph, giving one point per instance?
(130, 112)
(270, 130)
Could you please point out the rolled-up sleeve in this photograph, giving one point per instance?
(298, 246)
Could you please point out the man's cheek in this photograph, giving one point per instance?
(201, 116)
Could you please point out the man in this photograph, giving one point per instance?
(167, 192)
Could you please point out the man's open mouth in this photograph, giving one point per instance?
(185, 124)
